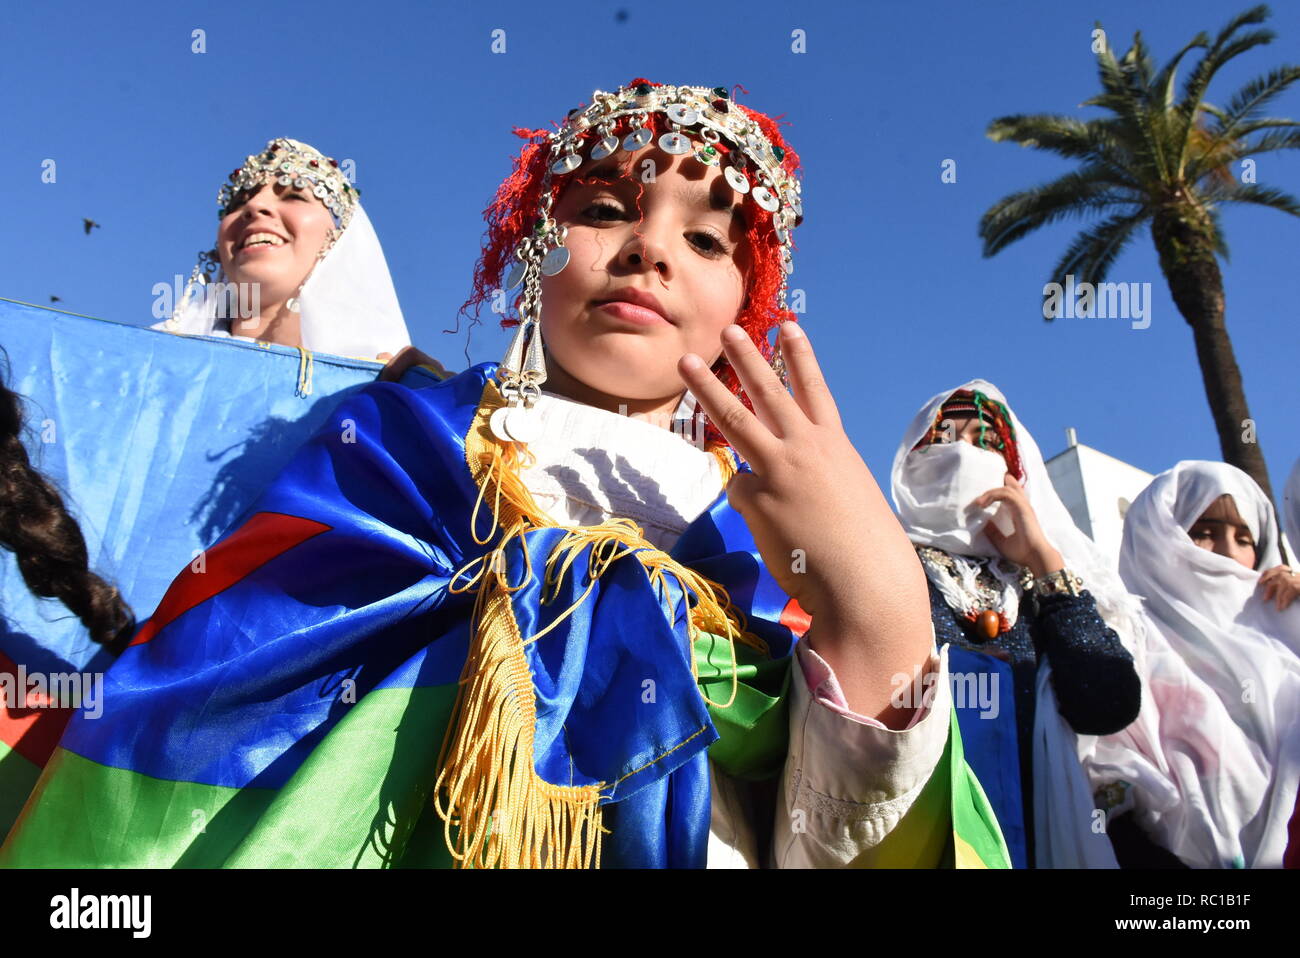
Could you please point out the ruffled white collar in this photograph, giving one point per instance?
(593, 464)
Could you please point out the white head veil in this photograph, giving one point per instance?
(348, 305)
(1230, 769)
(1062, 792)
(1291, 510)
(1082, 557)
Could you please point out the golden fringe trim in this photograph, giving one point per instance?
(506, 815)
(305, 368)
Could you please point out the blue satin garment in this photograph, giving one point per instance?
(341, 570)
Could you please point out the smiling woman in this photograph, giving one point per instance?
(296, 262)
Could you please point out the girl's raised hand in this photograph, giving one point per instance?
(824, 529)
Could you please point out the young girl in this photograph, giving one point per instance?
(293, 232)
(1196, 541)
(596, 619)
(1027, 587)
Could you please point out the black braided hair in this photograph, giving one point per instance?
(47, 542)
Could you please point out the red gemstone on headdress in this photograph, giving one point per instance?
(314, 163)
(234, 173)
(721, 106)
(334, 162)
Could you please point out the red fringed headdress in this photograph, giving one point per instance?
(997, 432)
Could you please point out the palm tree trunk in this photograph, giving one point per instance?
(1188, 261)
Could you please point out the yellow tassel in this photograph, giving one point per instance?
(505, 814)
(305, 368)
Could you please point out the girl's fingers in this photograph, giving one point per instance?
(747, 435)
(806, 379)
(772, 404)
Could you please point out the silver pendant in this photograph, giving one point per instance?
(682, 115)
(739, 182)
(523, 424)
(567, 163)
(516, 274)
(764, 198)
(638, 139)
(604, 148)
(787, 261)
(675, 144)
(554, 261)
(498, 424)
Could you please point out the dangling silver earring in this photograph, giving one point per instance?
(206, 265)
(293, 304)
(522, 371)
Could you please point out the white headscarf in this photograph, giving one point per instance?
(1233, 788)
(1291, 510)
(348, 305)
(1082, 557)
(1063, 836)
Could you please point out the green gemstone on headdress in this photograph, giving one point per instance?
(643, 89)
(778, 153)
(710, 150)
(721, 91)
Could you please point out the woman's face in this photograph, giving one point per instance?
(959, 427)
(1220, 529)
(685, 248)
(272, 238)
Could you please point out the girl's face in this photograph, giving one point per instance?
(272, 238)
(676, 242)
(1220, 529)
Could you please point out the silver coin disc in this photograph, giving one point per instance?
(524, 424)
(739, 182)
(674, 144)
(554, 261)
(682, 114)
(567, 163)
(604, 148)
(497, 423)
(638, 139)
(764, 198)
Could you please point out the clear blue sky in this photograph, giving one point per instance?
(900, 301)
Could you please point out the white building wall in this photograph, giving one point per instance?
(1097, 490)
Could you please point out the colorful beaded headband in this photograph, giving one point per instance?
(291, 163)
(994, 418)
(701, 121)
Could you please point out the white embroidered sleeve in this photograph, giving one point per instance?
(849, 782)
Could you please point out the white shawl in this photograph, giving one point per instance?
(1215, 754)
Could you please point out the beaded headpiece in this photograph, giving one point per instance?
(291, 163)
(997, 431)
(524, 242)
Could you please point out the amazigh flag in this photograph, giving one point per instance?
(285, 705)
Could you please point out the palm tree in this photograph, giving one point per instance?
(1170, 163)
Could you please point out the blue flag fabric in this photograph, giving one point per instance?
(157, 443)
